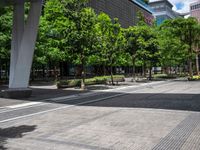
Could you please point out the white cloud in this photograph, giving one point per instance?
(186, 3)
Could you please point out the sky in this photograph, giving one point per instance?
(181, 6)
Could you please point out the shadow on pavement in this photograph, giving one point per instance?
(13, 132)
(155, 100)
(172, 101)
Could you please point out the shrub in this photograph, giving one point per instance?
(194, 78)
(89, 81)
(68, 83)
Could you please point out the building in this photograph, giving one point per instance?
(163, 11)
(195, 10)
(125, 10)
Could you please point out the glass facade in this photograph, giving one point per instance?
(163, 11)
(160, 20)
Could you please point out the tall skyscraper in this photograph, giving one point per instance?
(195, 10)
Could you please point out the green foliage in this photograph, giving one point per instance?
(70, 31)
(111, 41)
(83, 37)
(51, 43)
(173, 51)
(5, 32)
(164, 76)
(142, 45)
(195, 78)
(187, 31)
(89, 81)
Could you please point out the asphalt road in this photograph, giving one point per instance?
(153, 116)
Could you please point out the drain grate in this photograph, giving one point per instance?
(179, 135)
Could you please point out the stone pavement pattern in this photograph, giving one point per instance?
(143, 120)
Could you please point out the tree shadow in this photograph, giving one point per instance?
(13, 132)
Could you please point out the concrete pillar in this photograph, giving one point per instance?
(23, 44)
(17, 34)
(24, 36)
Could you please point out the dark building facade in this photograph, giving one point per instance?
(125, 10)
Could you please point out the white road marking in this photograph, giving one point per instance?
(60, 108)
(82, 103)
(77, 96)
(23, 105)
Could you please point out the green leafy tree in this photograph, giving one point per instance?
(148, 47)
(51, 43)
(196, 46)
(111, 42)
(82, 35)
(5, 36)
(173, 52)
(185, 29)
(132, 36)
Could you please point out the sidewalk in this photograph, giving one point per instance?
(43, 92)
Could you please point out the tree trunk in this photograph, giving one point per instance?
(133, 63)
(7, 71)
(55, 73)
(47, 72)
(104, 70)
(150, 73)
(61, 70)
(83, 75)
(197, 64)
(143, 71)
(111, 75)
(190, 68)
(190, 57)
(43, 72)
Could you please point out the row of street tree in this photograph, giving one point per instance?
(72, 32)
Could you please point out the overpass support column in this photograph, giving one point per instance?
(22, 50)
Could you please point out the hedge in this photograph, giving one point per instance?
(194, 78)
(89, 81)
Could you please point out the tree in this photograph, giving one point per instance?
(132, 45)
(5, 36)
(51, 44)
(185, 29)
(197, 46)
(111, 42)
(173, 52)
(148, 47)
(82, 35)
